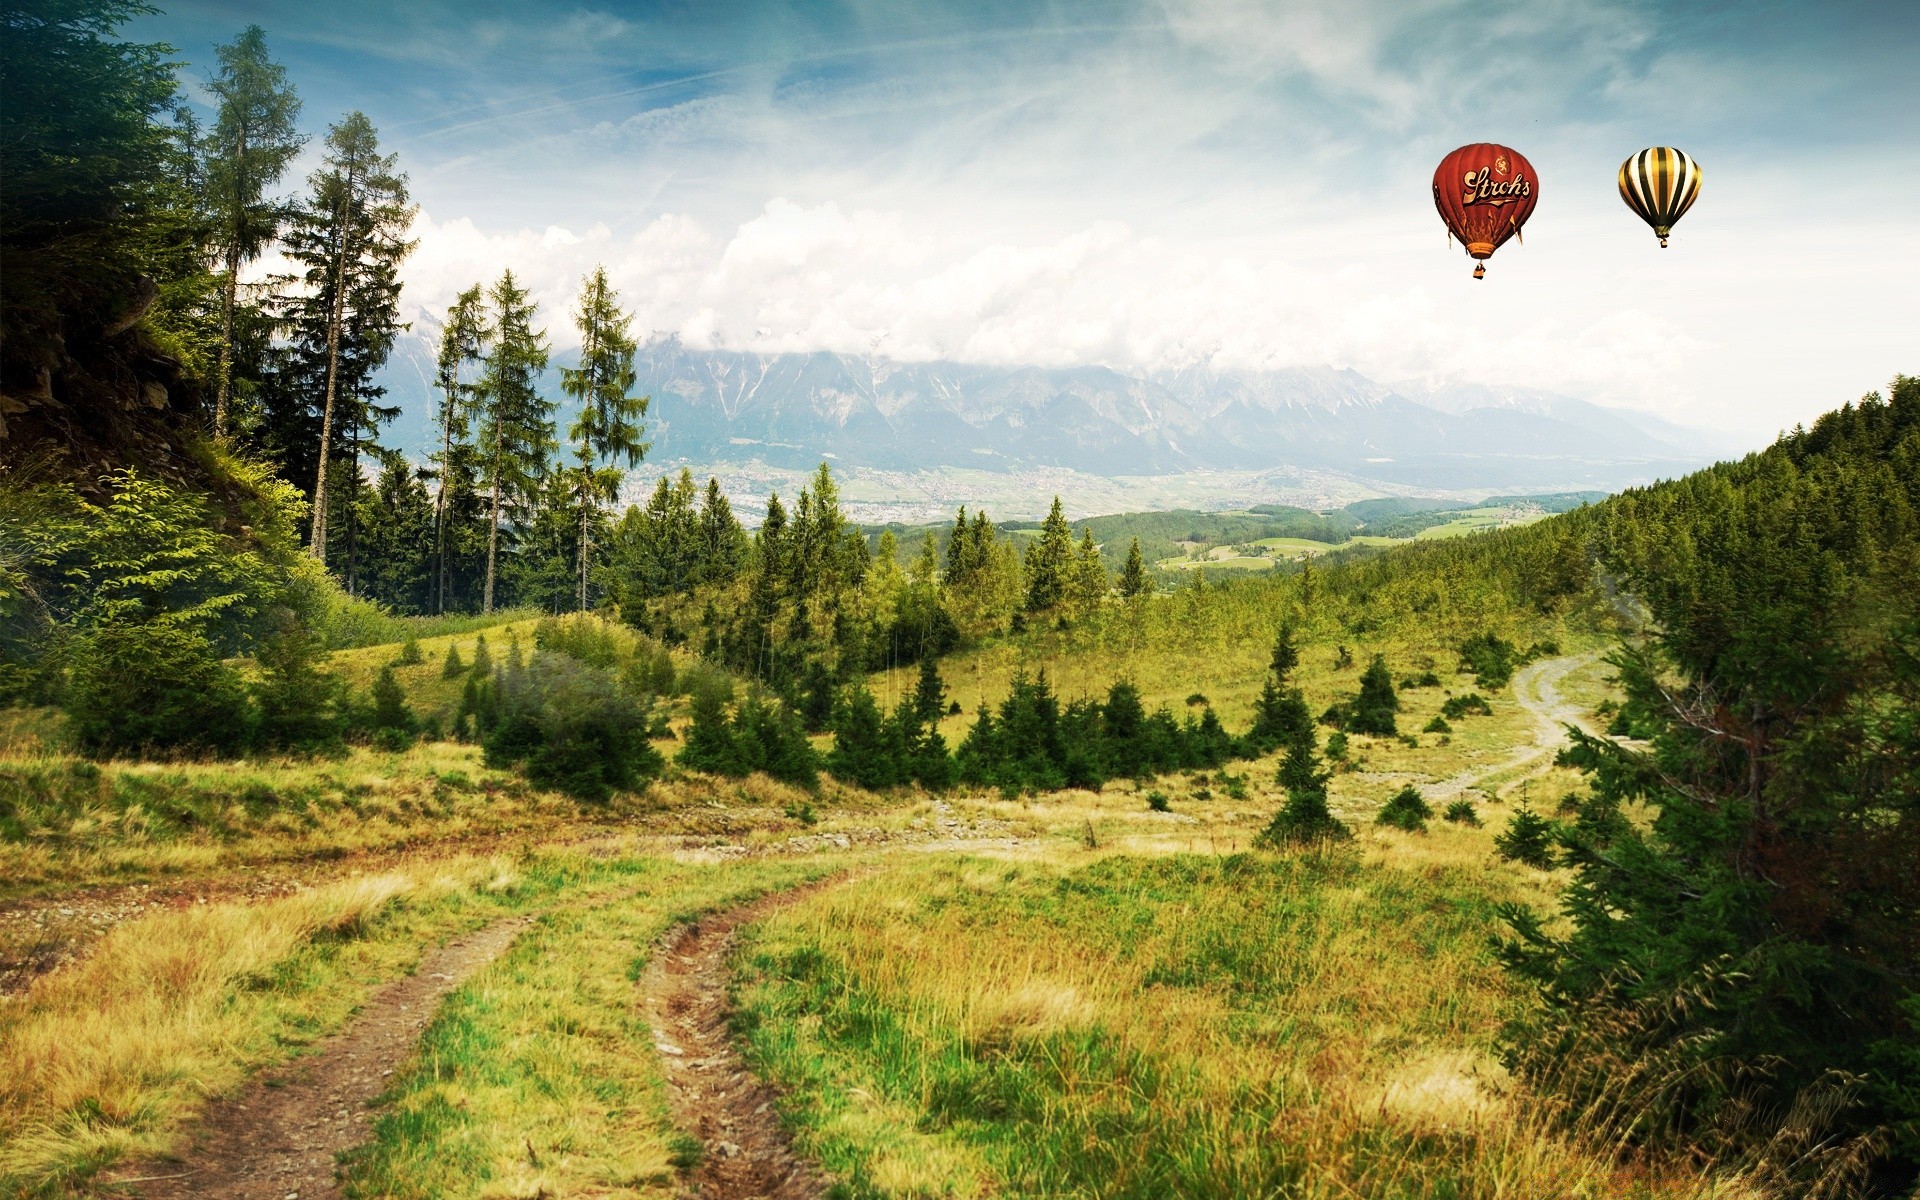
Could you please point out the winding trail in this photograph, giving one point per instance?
(1536, 687)
(277, 1139)
(714, 1094)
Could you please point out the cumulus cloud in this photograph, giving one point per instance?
(802, 278)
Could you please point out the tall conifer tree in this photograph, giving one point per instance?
(608, 428)
(1133, 578)
(1050, 562)
(350, 238)
(516, 422)
(253, 141)
(461, 339)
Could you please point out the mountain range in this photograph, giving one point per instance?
(789, 411)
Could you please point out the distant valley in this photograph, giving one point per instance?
(914, 439)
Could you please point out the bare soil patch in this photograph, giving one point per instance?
(715, 1096)
(279, 1137)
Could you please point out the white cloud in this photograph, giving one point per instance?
(798, 278)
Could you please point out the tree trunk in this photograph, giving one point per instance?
(586, 525)
(318, 541)
(440, 503)
(223, 381)
(224, 378)
(493, 523)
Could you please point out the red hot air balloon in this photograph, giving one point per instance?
(1485, 193)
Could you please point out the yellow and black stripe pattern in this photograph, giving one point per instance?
(1660, 183)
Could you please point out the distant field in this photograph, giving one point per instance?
(1236, 562)
(1295, 546)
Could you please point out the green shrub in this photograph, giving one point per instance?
(301, 707)
(409, 654)
(1437, 725)
(1528, 839)
(1457, 707)
(1489, 658)
(148, 686)
(452, 668)
(571, 727)
(1406, 810)
(1461, 812)
(1157, 801)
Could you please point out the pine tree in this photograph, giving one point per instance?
(396, 537)
(452, 667)
(1090, 582)
(254, 139)
(1306, 816)
(1286, 655)
(608, 428)
(930, 693)
(1133, 578)
(719, 541)
(1049, 562)
(1372, 710)
(516, 422)
(461, 338)
(349, 237)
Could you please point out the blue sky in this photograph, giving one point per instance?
(1158, 183)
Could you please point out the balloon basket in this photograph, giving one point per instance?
(1479, 270)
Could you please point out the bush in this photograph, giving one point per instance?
(1457, 707)
(1461, 812)
(300, 706)
(1406, 810)
(1489, 658)
(409, 654)
(452, 667)
(151, 686)
(572, 727)
(1437, 725)
(1157, 801)
(1528, 839)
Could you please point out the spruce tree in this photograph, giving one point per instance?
(1407, 810)
(253, 141)
(349, 239)
(710, 745)
(608, 429)
(1049, 562)
(719, 541)
(860, 752)
(1306, 816)
(930, 693)
(1286, 655)
(1133, 577)
(516, 422)
(462, 336)
(1372, 710)
(1090, 582)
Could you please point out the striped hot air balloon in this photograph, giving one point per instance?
(1660, 183)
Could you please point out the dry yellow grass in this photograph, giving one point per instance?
(103, 1060)
(1356, 1023)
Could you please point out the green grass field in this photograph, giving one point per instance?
(1068, 994)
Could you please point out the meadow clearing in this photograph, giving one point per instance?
(1063, 994)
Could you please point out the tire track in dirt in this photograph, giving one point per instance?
(1537, 689)
(714, 1095)
(279, 1137)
